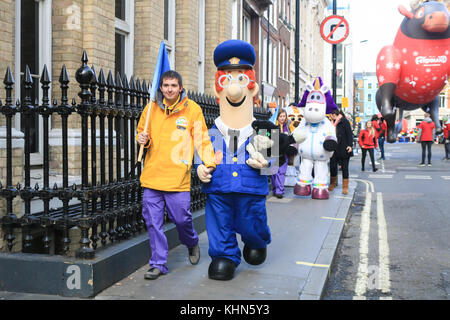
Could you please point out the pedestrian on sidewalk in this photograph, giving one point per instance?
(447, 139)
(166, 177)
(344, 150)
(279, 177)
(382, 136)
(377, 128)
(426, 136)
(368, 143)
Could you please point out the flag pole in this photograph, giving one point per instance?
(162, 65)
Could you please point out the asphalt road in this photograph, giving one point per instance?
(396, 242)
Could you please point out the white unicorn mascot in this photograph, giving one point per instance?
(320, 143)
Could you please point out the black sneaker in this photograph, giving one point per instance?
(375, 169)
(429, 164)
(194, 254)
(152, 274)
(422, 164)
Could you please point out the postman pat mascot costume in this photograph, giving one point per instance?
(320, 143)
(236, 190)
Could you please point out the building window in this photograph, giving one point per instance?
(201, 45)
(29, 56)
(369, 86)
(369, 97)
(33, 43)
(246, 28)
(339, 53)
(120, 9)
(442, 100)
(234, 19)
(274, 64)
(169, 29)
(264, 59)
(287, 64)
(124, 37)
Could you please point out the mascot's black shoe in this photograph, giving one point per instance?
(221, 269)
(254, 256)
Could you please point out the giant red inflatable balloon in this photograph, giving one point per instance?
(414, 69)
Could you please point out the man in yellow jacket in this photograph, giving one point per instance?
(176, 127)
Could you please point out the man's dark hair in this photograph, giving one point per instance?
(171, 74)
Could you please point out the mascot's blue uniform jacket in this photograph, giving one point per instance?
(236, 202)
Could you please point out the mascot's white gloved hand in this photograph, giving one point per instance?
(204, 173)
(261, 142)
(299, 135)
(256, 159)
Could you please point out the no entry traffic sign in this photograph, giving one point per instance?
(334, 29)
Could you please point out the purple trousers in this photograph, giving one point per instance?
(178, 210)
(278, 179)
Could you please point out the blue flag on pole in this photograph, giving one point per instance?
(274, 117)
(162, 65)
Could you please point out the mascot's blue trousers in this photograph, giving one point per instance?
(231, 213)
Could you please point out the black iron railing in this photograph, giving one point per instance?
(109, 197)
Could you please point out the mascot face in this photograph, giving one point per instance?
(315, 107)
(235, 89)
(235, 84)
(295, 116)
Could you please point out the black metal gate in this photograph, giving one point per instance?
(109, 196)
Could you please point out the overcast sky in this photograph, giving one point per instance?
(376, 21)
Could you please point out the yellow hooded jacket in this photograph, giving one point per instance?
(173, 134)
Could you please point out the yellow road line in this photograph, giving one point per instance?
(313, 264)
(331, 218)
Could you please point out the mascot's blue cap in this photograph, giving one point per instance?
(234, 54)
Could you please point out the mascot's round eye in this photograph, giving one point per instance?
(420, 13)
(268, 134)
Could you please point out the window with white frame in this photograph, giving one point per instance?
(124, 37)
(169, 29)
(271, 66)
(286, 73)
(234, 19)
(263, 58)
(201, 45)
(33, 43)
(274, 65)
(283, 61)
(246, 27)
(442, 100)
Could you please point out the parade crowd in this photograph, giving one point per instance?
(230, 159)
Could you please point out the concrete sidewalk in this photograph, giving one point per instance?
(305, 235)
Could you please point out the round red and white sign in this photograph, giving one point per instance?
(334, 29)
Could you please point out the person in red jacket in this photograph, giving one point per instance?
(426, 137)
(367, 141)
(447, 139)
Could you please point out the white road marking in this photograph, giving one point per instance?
(383, 248)
(362, 274)
(380, 176)
(417, 177)
(446, 177)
